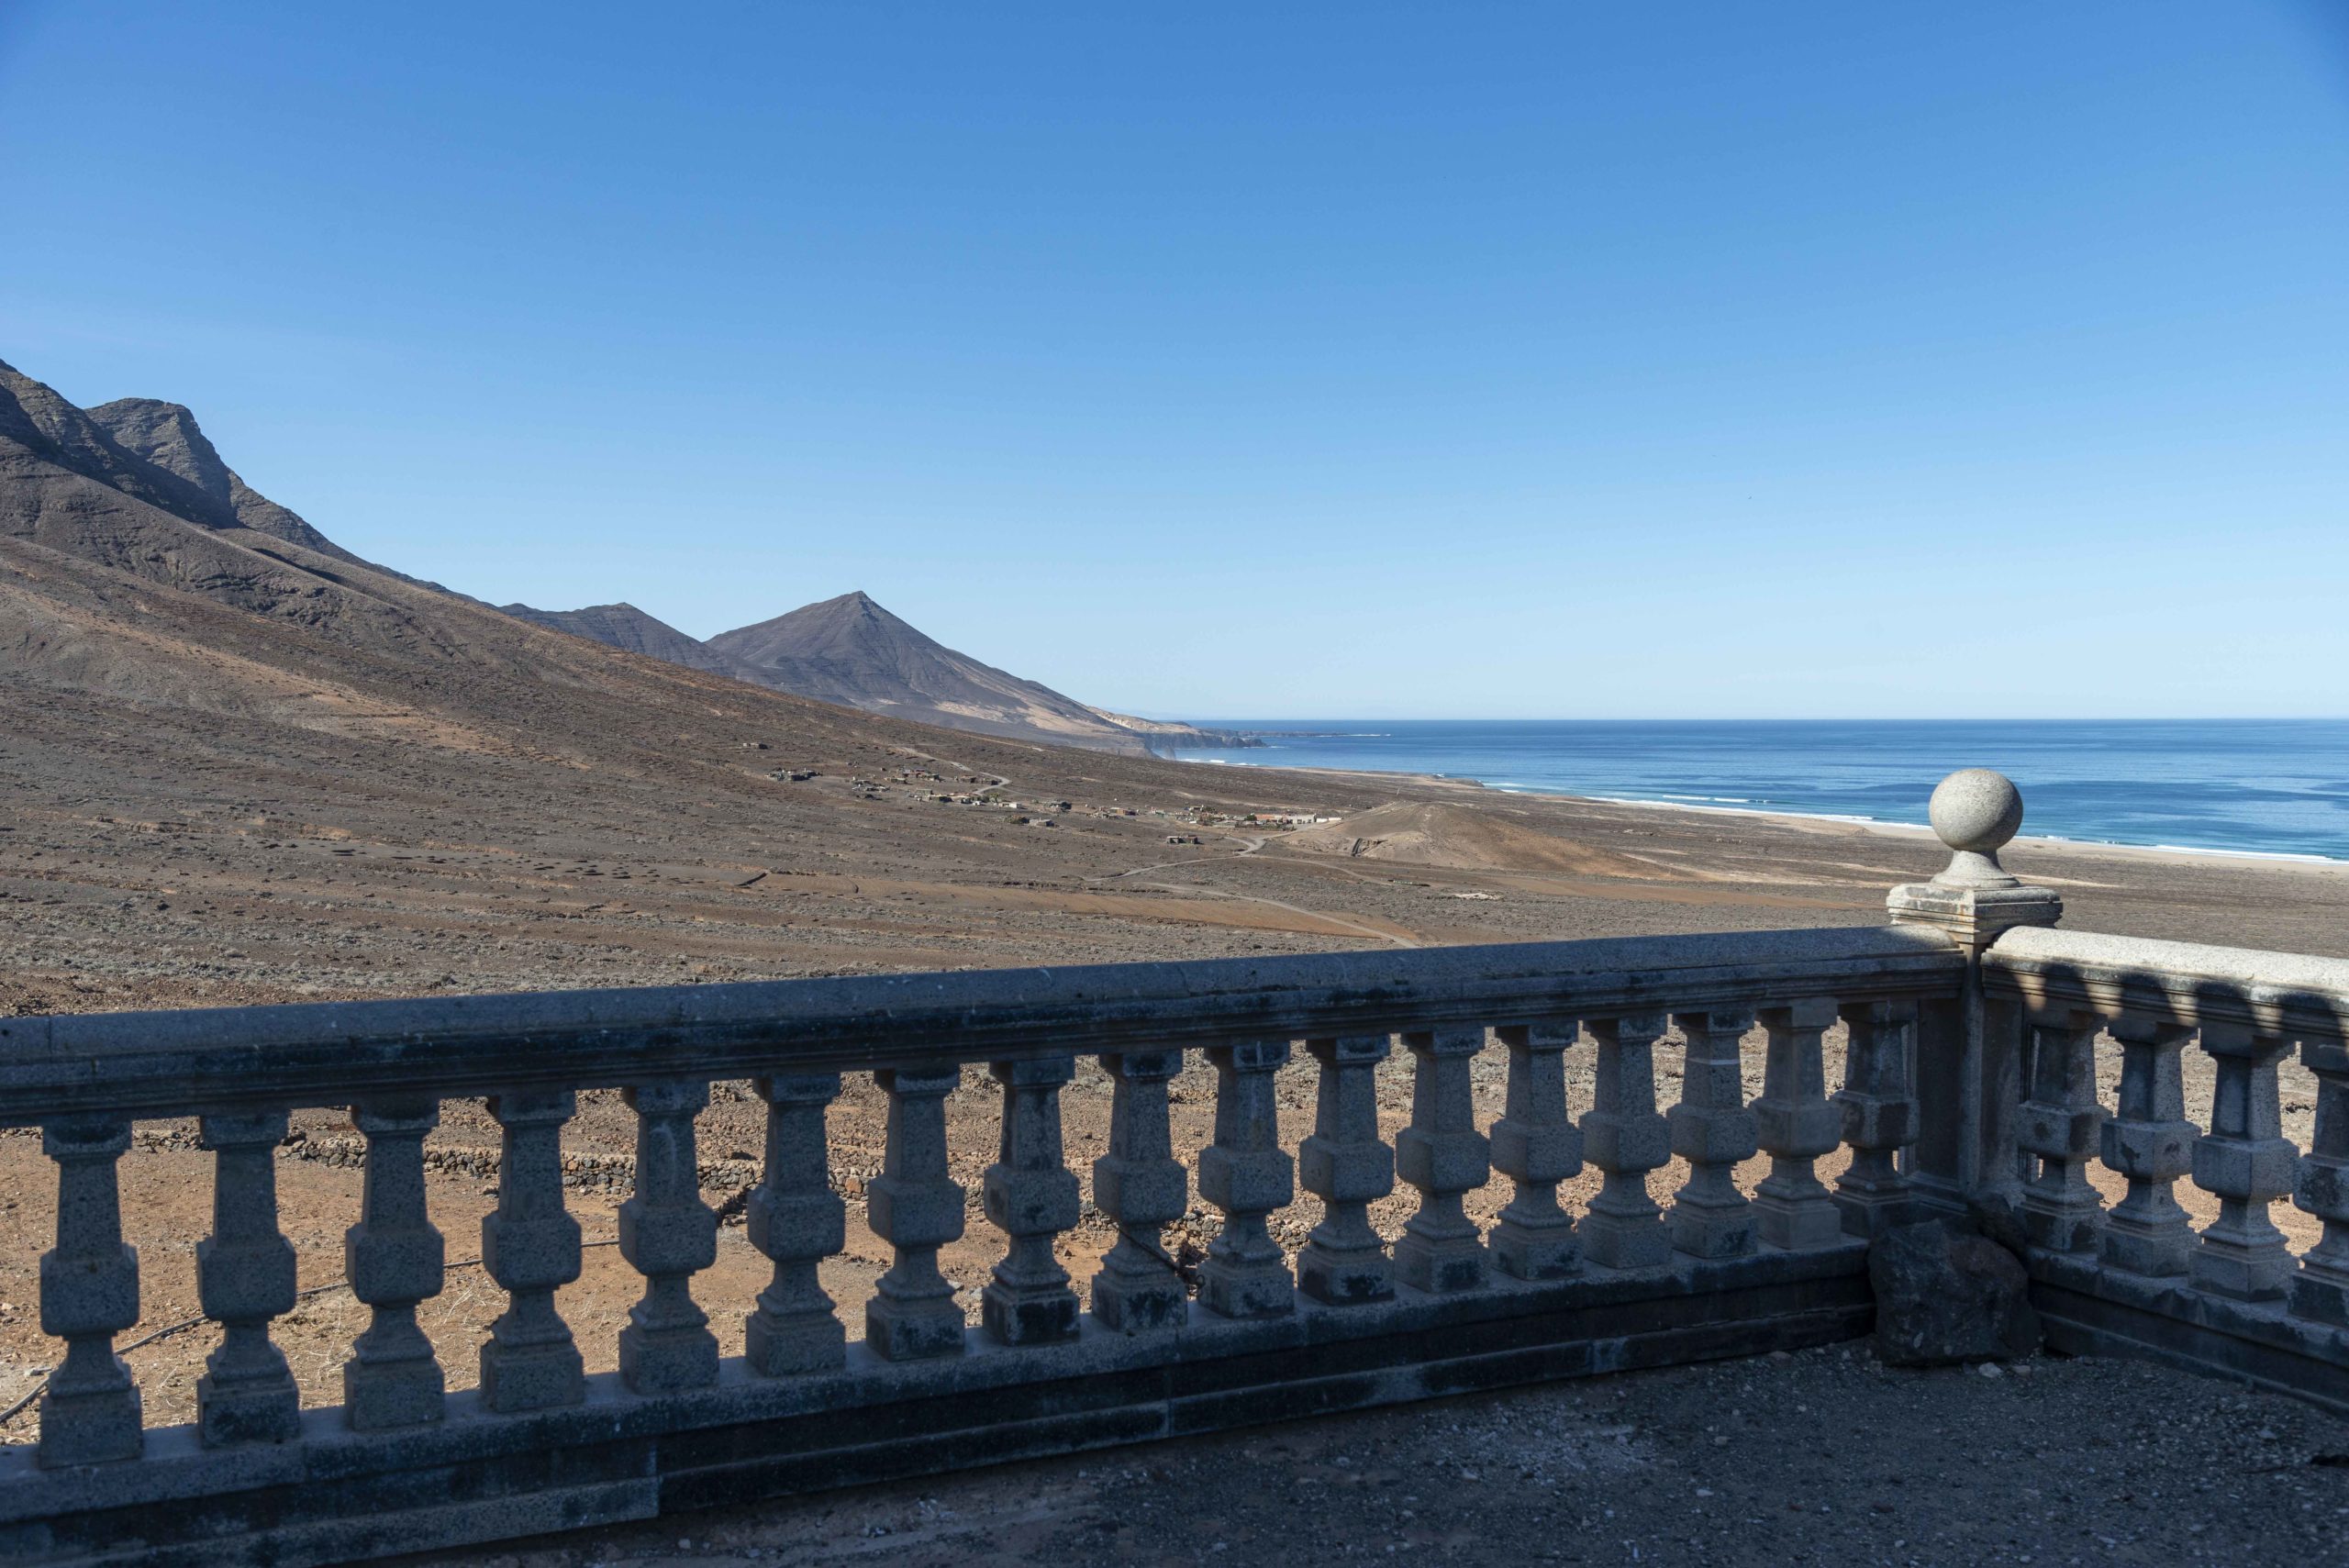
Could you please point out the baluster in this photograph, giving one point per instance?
(244, 1276)
(2246, 1163)
(2026, 1074)
(1030, 1195)
(530, 1244)
(1348, 1167)
(1624, 1137)
(668, 1235)
(1140, 1186)
(1245, 1173)
(797, 1220)
(393, 1258)
(1879, 1115)
(2152, 1144)
(1712, 1130)
(917, 1209)
(1444, 1155)
(2321, 1289)
(1795, 1121)
(1536, 1145)
(2059, 1123)
(89, 1293)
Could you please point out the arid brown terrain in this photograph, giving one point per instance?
(237, 768)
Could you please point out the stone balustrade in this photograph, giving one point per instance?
(2134, 1274)
(1630, 1233)
(1358, 1315)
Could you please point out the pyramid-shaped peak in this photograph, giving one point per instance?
(855, 601)
(850, 649)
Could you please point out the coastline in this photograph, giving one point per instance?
(2167, 854)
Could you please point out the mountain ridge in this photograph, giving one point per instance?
(623, 625)
(167, 436)
(135, 487)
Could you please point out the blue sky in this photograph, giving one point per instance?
(1450, 360)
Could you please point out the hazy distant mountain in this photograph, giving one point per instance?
(623, 625)
(1174, 734)
(850, 650)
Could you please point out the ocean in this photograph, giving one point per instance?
(2248, 786)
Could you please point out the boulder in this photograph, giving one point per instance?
(1946, 1293)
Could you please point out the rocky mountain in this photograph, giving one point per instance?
(49, 447)
(138, 568)
(850, 650)
(101, 507)
(167, 436)
(625, 627)
(145, 588)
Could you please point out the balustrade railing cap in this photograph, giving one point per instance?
(1977, 812)
(321, 1054)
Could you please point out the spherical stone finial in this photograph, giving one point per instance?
(1975, 810)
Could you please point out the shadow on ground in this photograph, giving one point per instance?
(1825, 1456)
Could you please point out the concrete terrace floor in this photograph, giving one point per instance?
(1825, 1456)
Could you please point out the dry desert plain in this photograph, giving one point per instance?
(237, 765)
(379, 867)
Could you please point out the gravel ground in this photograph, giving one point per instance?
(1824, 1456)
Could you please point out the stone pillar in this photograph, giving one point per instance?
(2246, 1163)
(244, 1276)
(1796, 1123)
(1030, 1195)
(89, 1293)
(1139, 1186)
(530, 1244)
(1624, 1137)
(393, 1258)
(797, 1220)
(1246, 1174)
(917, 1209)
(2321, 1288)
(1879, 1116)
(1712, 1130)
(2152, 1144)
(1349, 1167)
(2060, 1124)
(1968, 1068)
(668, 1235)
(1536, 1146)
(1444, 1155)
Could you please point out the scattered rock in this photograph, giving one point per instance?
(1945, 1293)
